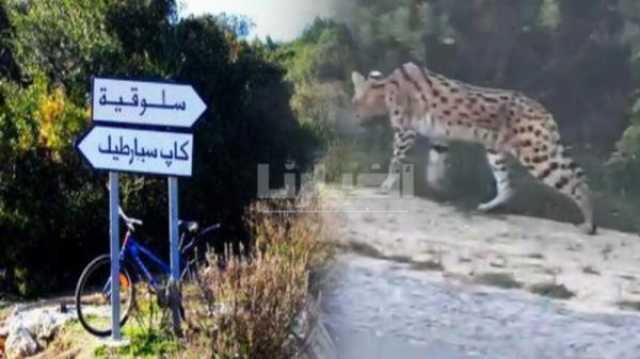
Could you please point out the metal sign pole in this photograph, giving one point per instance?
(174, 284)
(114, 231)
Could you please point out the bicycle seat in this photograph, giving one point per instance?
(190, 226)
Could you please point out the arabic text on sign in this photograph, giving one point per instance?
(145, 103)
(136, 152)
(136, 102)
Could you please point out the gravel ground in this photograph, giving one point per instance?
(380, 309)
(407, 283)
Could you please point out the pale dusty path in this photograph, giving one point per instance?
(381, 309)
(602, 270)
(387, 306)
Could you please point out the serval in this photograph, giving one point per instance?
(506, 123)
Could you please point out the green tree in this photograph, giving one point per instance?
(52, 206)
(66, 39)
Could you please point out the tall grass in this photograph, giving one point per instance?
(260, 297)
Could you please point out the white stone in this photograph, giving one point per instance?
(32, 329)
(47, 325)
(20, 343)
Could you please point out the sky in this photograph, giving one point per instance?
(283, 20)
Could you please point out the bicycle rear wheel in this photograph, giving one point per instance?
(93, 296)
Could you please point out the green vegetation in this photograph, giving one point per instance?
(52, 206)
(255, 312)
(279, 102)
(144, 344)
(257, 304)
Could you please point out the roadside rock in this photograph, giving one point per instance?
(20, 343)
(29, 331)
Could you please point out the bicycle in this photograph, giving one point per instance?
(93, 290)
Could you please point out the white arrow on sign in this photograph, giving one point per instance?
(145, 103)
(140, 151)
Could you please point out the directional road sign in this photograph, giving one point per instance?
(145, 103)
(142, 151)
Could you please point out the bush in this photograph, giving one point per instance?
(260, 297)
(44, 193)
(66, 39)
(625, 162)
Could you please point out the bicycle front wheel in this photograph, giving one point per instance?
(93, 296)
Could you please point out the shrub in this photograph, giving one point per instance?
(42, 191)
(260, 297)
(66, 39)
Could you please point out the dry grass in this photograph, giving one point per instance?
(430, 265)
(259, 298)
(497, 279)
(362, 248)
(72, 341)
(553, 290)
(629, 305)
(590, 270)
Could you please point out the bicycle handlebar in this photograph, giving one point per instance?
(129, 221)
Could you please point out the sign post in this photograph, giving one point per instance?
(174, 283)
(141, 129)
(114, 231)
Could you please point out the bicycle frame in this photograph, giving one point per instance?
(135, 252)
(132, 250)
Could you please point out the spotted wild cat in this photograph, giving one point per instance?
(506, 123)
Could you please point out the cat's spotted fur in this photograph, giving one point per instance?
(420, 102)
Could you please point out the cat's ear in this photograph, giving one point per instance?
(358, 80)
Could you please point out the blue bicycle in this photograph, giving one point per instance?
(93, 291)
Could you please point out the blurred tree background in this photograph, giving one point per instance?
(272, 102)
(580, 58)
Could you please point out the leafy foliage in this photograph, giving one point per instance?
(52, 207)
(550, 49)
(144, 344)
(625, 162)
(317, 63)
(66, 39)
(273, 103)
(43, 117)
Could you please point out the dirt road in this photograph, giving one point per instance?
(418, 279)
